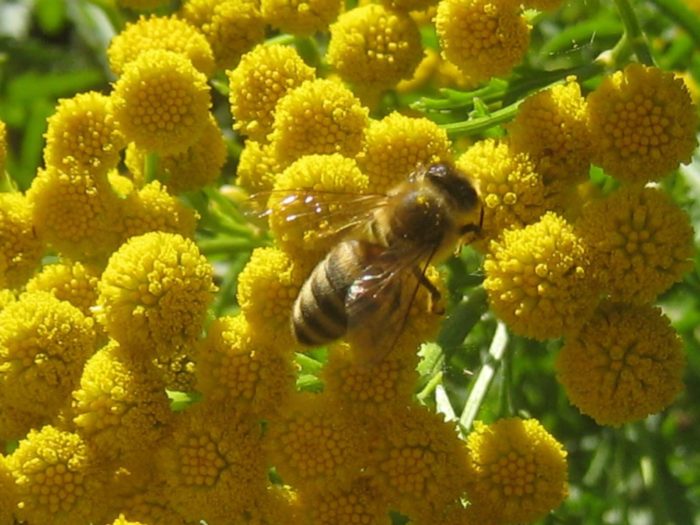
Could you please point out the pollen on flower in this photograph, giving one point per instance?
(300, 17)
(68, 281)
(641, 243)
(166, 33)
(121, 520)
(161, 102)
(55, 481)
(238, 369)
(232, 27)
(355, 502)
(374, 47)
(311, 235)
(519, 471)
(257, 167)
(267, 288)
(396, 145)
(511, 190)
(20, 248)
(120, 401)
(539, 279)
(155, 292)
(320, 116)
(626, 363)
(83, 135)
(44, 343)
(263, 76)
(643, 123)
(484, 38)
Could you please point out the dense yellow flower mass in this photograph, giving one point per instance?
(643, 123)
(20, 247)
(354, 502)
(167, 33)
(257, 167)
(519, 471)
(68, 281)
(300, 17)
(625, 363)
(161, 102)
(7, 494)
(374, 47)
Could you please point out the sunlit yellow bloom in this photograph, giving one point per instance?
(257, 167)
(55, 476)
(121, 520)
(68, 281)
(314, 446)
(75, 213)
(627, 362)
(120, 407)
(423, 74)
(356, 502)
(44, 343)
(8, 494)
(231, 27)
(3, 146)
(511, 190)
(213, 465)
(142, 4)
(396, 145)
(641, 243)
(374, 47)
(20, 247)
(155, 32)
(267, 287)
(519, 471)
(263, 76)
(643, 123)
(152, 209)
(552, 127)
(320, 116)
(311, 235)
(146, 496)
(539, 279)
(484, 38)
(422, 464)
(155, 292)
(82, 135)
(300, 17)
(238, 369)
(279, 505)
(161, 102)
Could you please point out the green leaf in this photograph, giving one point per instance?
(51, 15)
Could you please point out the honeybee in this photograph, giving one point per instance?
(385, 245)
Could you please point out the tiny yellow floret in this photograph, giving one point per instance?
(69, 281)
(20, 247)
(300, 17)
(257, 167)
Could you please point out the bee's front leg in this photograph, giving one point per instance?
(436, 306)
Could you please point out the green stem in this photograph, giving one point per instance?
(506, 408)
(308, 50)
(282, 39)
(483, 380)
(479, 125)
(430, 387)
(226, 245)
(634, 32)
(151, 165)
(7, 185)
(682, 15)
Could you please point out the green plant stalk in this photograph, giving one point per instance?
(7, 185)
(505, 408)
(151, 165)
(429, 388)
(479, 125)
(226, 245)
(634, 32)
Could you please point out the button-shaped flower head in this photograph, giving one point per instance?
(72, 282)
(20, 248)
(300, 17)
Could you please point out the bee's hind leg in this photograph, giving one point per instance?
(436, 306)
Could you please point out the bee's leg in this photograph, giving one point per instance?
(436, 306)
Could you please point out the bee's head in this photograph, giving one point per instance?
(454, 186)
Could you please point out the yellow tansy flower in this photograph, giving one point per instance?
(177, 369)
(237, 369)
(155, 292)
(152, 208)
(320, 116)
(422, 6)
(396, 145)
(314, 446)
(643, 123)
(263, 76)
(267, 288)
(539, 279)
(422, 464)
(161, 102)
(374, 47)
(484, 38)
(423, 74)
(167, 33)
(627, 362)
(552, 127)
(213, 465)
(55, 476)
(120, 407)
(68, 281)
(355, 502)
(16, 423)
(511, 190)
(44, 343)
(146, 496)
(300, 17)
(279, 505)
(231, 27)
(7, 297)
(641, 243)
(83, 135)
(121, 520)
(335, 179)
(519, 471)
(20, 247)
(8, 496)
(257, 167)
